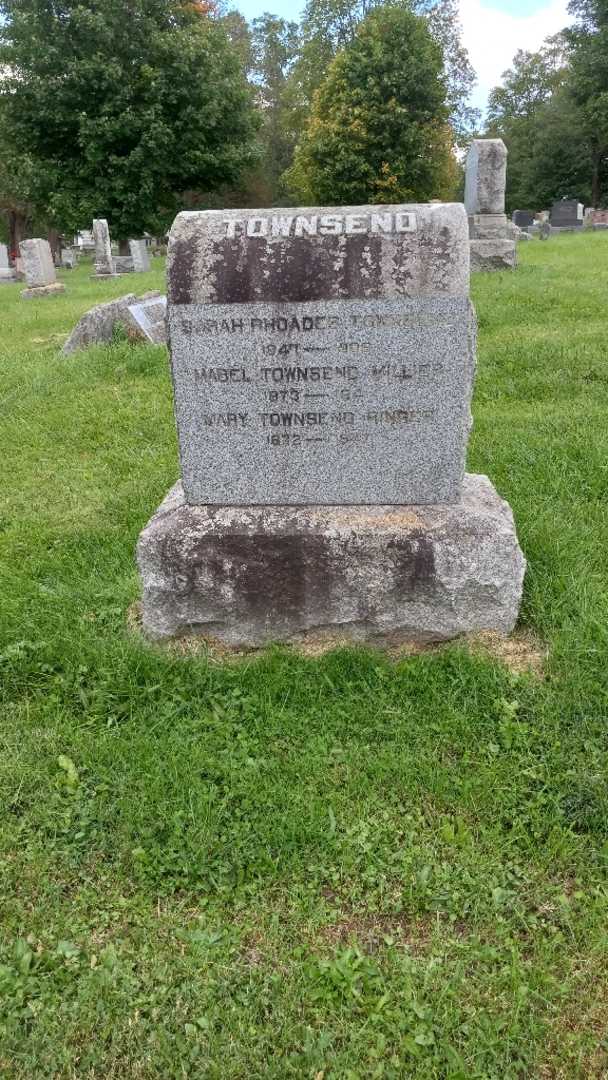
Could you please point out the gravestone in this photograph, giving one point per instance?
(98, 325)
(567, 214)
(39, 269)
(69, 259)
(7, 274)
(139, 254)
(148, 316)
(104, 263)
(123, 264)
(492, 243)
(323, 364)
(523, 218)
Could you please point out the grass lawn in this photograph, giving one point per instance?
(345, 867)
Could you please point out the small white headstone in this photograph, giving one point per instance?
(104, 265)
(139, 254)
(150, 317)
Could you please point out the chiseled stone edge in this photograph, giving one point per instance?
(464, 560)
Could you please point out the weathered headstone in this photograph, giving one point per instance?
(104, 263)
(149, 316)
(7, 274)
(139, 254)
(39, 269)
(98, 325)
(69, 258)
(123, 264)
(492, 243)
(322, 365)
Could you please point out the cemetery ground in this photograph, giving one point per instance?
(352, 865)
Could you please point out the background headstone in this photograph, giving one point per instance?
(6, 271)
(104, 263)
(123, 264)
(69, 258)
(486, 177)
(492, 237)
(523, 218)
(566, 214)
(139, 254)
(39, 269)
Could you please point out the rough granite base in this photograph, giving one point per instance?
(493, 255)
(43, 290)
(247, 576)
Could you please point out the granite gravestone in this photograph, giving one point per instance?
(139, 254)
(39, 269)
(104, 262)
(322, 366)
(492, 245)
(7, 273)
(567, 214)
(523, 218)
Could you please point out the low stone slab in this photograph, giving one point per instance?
(96, 327)
(247, 576)
(36, 292)
(148, 318)
(487, 255)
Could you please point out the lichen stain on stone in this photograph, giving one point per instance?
(300, 270)
(415, 570)
(276, 576)
(182, 270)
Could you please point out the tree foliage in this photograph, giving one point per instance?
(552, 111)
(330, 25)
(378, 129)
(122, 105)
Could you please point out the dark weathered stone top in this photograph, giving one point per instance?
(329, 253)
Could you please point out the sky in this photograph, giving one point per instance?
(493, 31)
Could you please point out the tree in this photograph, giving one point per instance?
(275, 45)
(329, 25)
(589, 84)
(121, 105)
(520, 110)
(378, 130)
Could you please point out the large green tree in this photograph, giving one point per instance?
(329, 25)
(121, 105)
(275, 45)
(519, 111)
(378, 129)
(589, 84)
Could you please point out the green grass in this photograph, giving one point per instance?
(344, 867)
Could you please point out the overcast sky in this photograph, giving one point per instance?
(493, 30)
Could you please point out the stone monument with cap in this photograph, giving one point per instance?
(323, 363)
(39, 269)
(492, 243)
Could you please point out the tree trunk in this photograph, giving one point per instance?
(123, 247)
(17, 231)
(55, 243)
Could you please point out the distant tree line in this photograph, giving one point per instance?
(133, 109)
(552, 112)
